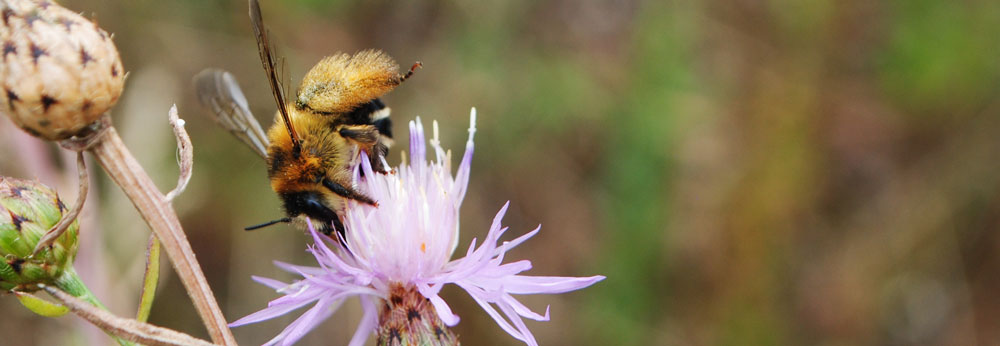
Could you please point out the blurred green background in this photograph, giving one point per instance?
(743, 172)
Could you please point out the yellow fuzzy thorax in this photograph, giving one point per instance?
(324, 154)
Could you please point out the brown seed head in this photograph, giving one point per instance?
(59, 72)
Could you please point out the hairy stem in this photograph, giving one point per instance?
(127, 329)
(111, 153)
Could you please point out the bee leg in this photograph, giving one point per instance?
(367, 138)
(346, 192)
(409, 73)
(364, 135)
(375, 156)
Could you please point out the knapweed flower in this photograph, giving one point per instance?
(402, 249)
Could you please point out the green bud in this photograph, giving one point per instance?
(28, 209)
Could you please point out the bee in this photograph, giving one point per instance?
(317, 137)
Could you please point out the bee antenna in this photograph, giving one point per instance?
(269, 223)
(409, 73)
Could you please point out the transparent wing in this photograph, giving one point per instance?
(218, 91)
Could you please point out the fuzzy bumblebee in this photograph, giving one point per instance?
(317, 136)
(59, 71)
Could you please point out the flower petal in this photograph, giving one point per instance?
(297, 269)
(516, 319)
(524, 311)
(443, 310)
(462, 176)
(521, 284)
(309, 320)
(480, 297)
(514, 243)
(367, 324)
(271, 311)
(272, 283)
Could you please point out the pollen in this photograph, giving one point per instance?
(423, 247)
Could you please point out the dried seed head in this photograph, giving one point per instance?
(59, 72)
(27, 210)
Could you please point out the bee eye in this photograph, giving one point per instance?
(314, 205)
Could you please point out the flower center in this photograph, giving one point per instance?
(407, 318)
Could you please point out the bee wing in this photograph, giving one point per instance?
(267, 60)
(218, 91)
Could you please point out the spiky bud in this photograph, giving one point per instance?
(59, 71)
(28, 209)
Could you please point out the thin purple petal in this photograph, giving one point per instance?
(443, 310)
(296, 294)
(516, 319)
(367, 324)
(505, 270)
(514, 243)
(267, 313)
(272, 283)
(522, 284)
(464, 168)
(297, 269)
(307, 321)
(480, 297)
(523, 310)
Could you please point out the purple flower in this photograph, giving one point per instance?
(409, 239)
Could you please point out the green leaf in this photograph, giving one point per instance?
(150, 279)
(41, 306)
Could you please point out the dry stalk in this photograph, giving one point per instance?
(111, 153)
(128, 329)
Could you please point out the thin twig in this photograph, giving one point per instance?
(186, 159)
(70, 216)
(124, 328)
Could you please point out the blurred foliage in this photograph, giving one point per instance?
(743, 172)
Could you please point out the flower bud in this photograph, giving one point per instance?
(59, 72)
(28, 209)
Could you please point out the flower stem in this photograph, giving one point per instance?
(409, 319)
(70, 283)
(128, 329)
(124, 170)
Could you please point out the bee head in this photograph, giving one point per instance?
(313, 205)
